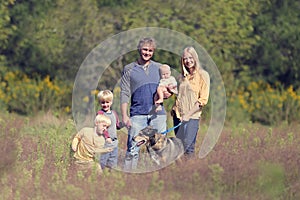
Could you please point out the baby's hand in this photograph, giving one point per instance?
(109, 140)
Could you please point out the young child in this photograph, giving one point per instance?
(109, 159)
(89, 142)
(166, 83)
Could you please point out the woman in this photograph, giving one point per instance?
(192, 97)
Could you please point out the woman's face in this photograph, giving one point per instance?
(188, 60)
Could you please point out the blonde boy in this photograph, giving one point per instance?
(109, 159)
(88, 143)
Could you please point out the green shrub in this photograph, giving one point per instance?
(268, 104)
(26, 95)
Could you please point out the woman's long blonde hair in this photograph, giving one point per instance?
(194, 54)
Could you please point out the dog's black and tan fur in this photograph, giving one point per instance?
(165, 149)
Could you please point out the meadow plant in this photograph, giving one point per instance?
(271, 180)
(156, 185)
(264, 103)
(24, 95)
(268, 104)
(216, 175)
(250, 161)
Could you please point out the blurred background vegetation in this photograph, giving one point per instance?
(255, 45)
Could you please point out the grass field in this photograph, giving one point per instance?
(249, 161)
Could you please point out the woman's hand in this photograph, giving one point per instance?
(185, 118)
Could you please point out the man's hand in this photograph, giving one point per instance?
(126, 121)
(125, 118)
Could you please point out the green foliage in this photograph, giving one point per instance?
(28, 96)
(34, 46)
(269, 105)
(276, 55)
(216, 175)
(248, 40)
(6, 28)
(271, 180)
(114, 3)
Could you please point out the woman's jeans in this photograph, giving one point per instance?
(187, 132)
(138, 122)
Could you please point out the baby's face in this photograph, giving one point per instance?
(165, 73)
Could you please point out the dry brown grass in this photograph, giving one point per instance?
(248, 162)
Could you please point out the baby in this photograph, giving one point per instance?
(166, 83)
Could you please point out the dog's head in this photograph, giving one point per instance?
(151, 137)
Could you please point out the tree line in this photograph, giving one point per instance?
(248, 40)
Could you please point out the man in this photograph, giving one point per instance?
(139, 82)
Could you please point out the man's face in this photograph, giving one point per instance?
(147, 52)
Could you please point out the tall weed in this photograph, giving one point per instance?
(24, 95)
(267, 104)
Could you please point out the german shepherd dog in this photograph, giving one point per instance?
(162, 150)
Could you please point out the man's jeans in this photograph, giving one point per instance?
(139, 122)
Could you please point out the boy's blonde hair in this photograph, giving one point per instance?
(103, 119)
(105, 95)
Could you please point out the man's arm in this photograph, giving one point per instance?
(125, 118)
(125, 95)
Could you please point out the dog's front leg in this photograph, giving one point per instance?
(153, 155)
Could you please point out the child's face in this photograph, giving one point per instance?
(101, 127)
(165, 73)
(105, 105)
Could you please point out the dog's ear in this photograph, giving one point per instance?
(153, 131)
(149, 131)
(152, 140)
